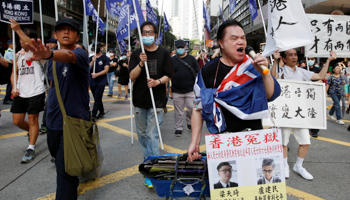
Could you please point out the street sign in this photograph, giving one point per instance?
(196, 47)
(209, 43)
(20, 10)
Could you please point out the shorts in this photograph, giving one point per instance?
(347, 88)
(31, 105)
(301, 135)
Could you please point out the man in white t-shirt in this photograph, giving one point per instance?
(290, 71)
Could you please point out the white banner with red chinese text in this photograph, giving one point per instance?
(301, 105)
(236, 169)
(330, 33)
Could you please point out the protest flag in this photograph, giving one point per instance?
(253, 9)
(206, 17)
(222, 14)
(151, 15)
(232, 5)
(166, 23)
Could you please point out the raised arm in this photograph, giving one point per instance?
(323, 72)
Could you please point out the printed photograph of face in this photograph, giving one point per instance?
(225, 175)
(269, 170)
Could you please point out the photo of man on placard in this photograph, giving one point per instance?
(225, 174)
(268, 168)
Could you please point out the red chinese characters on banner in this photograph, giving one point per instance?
(235, 141)
(270, 137)
(216, 142)
(252, 139)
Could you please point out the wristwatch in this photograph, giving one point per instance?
(51, 56)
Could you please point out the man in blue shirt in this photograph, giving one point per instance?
(72, 67)
(9, 57)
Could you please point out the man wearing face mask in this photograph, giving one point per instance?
(186, 69)
(160, 70)
(123, 75)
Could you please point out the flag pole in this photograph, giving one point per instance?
(56, 17)
(106, 33)
(263, 21)
(97, 22)
(41, 22)
(130, 82)
(86, 28)
(14, 60)
(148, 77)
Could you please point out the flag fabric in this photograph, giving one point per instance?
(123, 30)
(91, 11)
(242, 92)
(253, 9)
(122, 47)
(113, 7)
(151, 15)
(166, 24)
(232, 5)
(222, 14)
(159, 40)
(206, 17)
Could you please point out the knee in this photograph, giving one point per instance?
(17, 122)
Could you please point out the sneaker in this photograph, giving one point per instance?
(126, 97)
(53, 160)
(178, 133)
(43, 129)
(331, 117)
(189, 128)
(340, 122)
(347, 110)
(28, 156)
(286, 172)
(119, 96)
(315, 135)
(148, 183)
(303, 173)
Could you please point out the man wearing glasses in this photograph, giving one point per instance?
(161, 70)
(225, 174)
(268, 167)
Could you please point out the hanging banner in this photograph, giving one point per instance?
(301, 105)
(240, 163)
(288, 27)
(21, 11)
(330, 33)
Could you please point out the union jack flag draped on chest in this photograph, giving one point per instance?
(242, 92)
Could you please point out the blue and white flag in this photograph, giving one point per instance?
(166, 24)
(123, 30)
(253, 9)
(122, 47)
(232, 5)
(159, 40)
(91, 11)
(241, 92)
(222, 14)
(206, 17)
(113, 7)
(151, 15)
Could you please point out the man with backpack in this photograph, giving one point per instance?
(99, 66)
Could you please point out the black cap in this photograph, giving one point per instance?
(52, 40)
(180, 43)
(98, 44)
(9, 42)
(67, 21)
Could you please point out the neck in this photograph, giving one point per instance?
(183, 55)
(69, 47)
(152, 47)
(99, 54)
(292, 67)
(228, 60)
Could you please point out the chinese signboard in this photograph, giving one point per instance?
(209, 43)
(236, 165)
(21, 11)
(331, 33)
(300, 105)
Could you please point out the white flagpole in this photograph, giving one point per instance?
(148, 77)
(41, 22)
(14, 60)
(97, 22)
(107, 33)
(86, 28)
(263, 21)
(56, 17)
(130, 82)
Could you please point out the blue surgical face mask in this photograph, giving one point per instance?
(123, 57)
(180, 51)
(311, 62)
(148, 40)
(316, 66)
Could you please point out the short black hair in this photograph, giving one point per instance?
(222, 164)
(222, 27)
(151, 24)
(268, 162)
(31, 33)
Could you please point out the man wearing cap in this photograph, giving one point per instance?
(72, 68)
(98, 80)
(9, 57)
(110, 75)
(160, 70)
(52, 42)
(186, 69)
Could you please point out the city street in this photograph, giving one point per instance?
(328, 159)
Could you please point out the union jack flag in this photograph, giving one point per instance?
(242, 92)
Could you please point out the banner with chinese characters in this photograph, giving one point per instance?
(300, 105)
(19, 10)
(246, 165)
(330, 33)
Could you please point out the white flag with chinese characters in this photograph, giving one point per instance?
(288, 27)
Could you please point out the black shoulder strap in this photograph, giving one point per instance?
(193, 71)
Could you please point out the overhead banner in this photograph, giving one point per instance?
(287, 27)
(301, 105)
(22, 11)
(330, 33)
(240, 163)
